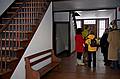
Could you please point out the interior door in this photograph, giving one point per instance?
(62, 37)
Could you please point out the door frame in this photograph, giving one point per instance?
(54, 36)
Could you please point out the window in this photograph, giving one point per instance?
(101, 27)
(89, 21)
(78, 24)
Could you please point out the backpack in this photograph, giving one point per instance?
(93, 43)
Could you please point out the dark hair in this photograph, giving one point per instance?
(86, 27)
(92, 32)
(106, 28)
(79, 31)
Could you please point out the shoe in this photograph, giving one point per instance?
(79, 62)
(107, 64)
(82, 64)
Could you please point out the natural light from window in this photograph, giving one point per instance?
(89, 21)
(101, 27)
(78, 24)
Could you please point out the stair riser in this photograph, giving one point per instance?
(6, 75)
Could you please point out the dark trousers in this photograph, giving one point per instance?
(79, 55)
(105, 57)
(105, 54)
(90, 55)
(107, 62)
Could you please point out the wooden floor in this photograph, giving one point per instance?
(68, 70)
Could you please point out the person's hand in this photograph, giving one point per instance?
(83, 45)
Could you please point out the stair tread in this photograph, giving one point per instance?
(8, 59)
(15, 7)
(12, 48)
(15, 18)
(15, 39)
(24, 12)
(19, 31)
(21, 24)
(4, 71)
(30, 2)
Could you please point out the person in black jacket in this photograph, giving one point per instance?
(104, 46)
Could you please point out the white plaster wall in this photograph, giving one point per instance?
(4, 4)
(61, 16)
(118, 13)
(112, 17)
(84, 4)
(118, 17)
(42, 40)
(72, 36)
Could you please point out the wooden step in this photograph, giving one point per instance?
(26, 32)
(19, 18)
(4, 71)
(15, 40)
(8, 59)
(30, 2)
(24, 13)
(19, 24)
(12, 48)
(26, 7)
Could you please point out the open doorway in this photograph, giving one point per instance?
(97, 25)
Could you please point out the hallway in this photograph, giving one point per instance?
(68, 70)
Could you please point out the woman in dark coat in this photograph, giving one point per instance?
(104, 46)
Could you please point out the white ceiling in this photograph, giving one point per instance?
(84, 4)
(87, 5)
(96, 14)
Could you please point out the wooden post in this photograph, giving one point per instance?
(30, 73)
(54, 58)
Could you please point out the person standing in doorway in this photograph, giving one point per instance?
(85, 31)
(92, 48)
(114, 45)
(85, 34)
(104, 46)
(79, 46)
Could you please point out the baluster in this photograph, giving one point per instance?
(37, 11)
(37, 6)
(19, 29)
(33, 10)
(30, 16)
(12, 38)
(23, 32)
(16, 33)
(33, 14)
(26, 21)
(29, 9)
(9, 40)
(1, 65)
(5, 53)
(24, 10)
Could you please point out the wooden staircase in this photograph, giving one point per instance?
(17, 26)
